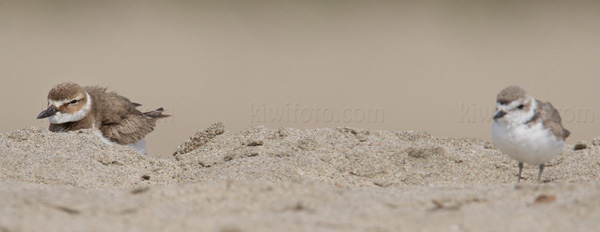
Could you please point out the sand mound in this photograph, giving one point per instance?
(353, 157)
(319, 179)
(76, 158)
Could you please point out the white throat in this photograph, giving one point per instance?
(60, 118)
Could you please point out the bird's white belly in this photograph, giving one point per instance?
(533, 145)
(140, 146)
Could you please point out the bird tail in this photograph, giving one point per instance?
(156, 113)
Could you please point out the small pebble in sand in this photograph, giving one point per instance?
(140, 190)
(489, 145)
(544, 199)
(255, 143)
(596, 141)
(580, 146)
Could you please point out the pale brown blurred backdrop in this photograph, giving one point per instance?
(412, 65)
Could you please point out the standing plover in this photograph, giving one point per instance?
(114, 118)
(528, 130)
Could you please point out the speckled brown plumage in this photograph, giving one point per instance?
(548, 115)
(511, 93)
(65, 91)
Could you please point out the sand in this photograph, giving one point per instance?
(332, 179)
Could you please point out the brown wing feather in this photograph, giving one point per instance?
(551, 119)
(156, 113)
(110, 106)
(120, 121)
(130, 129)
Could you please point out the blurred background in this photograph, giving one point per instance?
(389, 65)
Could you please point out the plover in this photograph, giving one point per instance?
(114, 118)
(527, 130)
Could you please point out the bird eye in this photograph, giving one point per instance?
(73, 102)
(520, 106)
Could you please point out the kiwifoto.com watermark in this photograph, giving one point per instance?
(472, 113)
(297, 113)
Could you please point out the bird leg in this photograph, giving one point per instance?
(520, 169)
(540, 173)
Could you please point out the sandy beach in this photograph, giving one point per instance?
(332, 179)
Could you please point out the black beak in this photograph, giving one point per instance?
(48, 112)
(499, 114)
